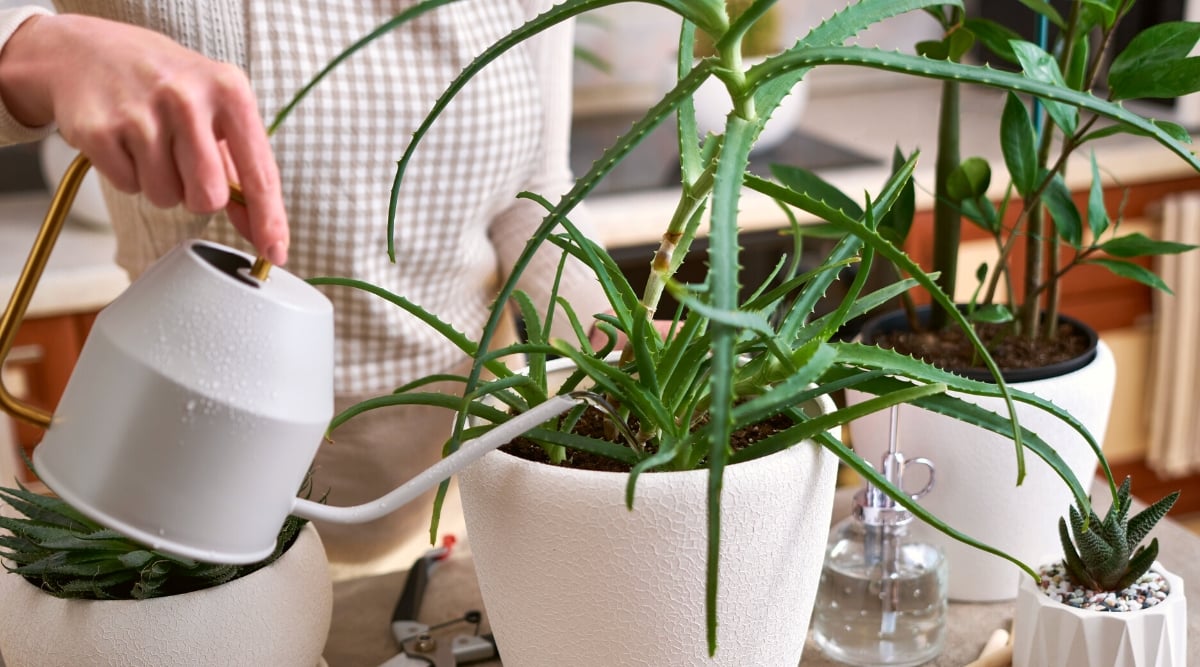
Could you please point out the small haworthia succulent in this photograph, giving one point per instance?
(67, 555)
(1108, 557)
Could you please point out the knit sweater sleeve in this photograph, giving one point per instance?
(510, 230)
(13, 131)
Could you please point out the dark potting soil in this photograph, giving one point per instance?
(951, 349)
(596, 424)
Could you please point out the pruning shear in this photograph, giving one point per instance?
(418, 646)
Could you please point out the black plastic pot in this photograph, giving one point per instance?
(896, 321)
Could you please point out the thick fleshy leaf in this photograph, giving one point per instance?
(1097, 213)
(1046, 9)
(897, 222)
(1133, 272)
(1018, 144)
(996, 37)
(1105, 11)
(1067, 221)
(810, 183)
(1140, 245)
(942, 70)
(1156, 63)
(1041, 66)
(970, 180)
(993, 313)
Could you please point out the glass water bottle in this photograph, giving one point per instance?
(882, 595)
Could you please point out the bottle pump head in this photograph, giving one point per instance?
(872, 506)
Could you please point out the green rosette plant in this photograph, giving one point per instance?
(727, 363)
(67, 555)
(1107, 555)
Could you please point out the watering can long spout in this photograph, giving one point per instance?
(469, 452)
(198, 402)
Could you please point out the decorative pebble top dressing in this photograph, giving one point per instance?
(1148, 591)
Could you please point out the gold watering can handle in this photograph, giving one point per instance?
(10, 321)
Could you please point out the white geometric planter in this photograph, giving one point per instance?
(569, 576)
(278, 615)
(976, 490)
(1046, 632)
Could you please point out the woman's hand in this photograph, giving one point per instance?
(153, 117)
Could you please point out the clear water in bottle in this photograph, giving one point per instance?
(872, 611)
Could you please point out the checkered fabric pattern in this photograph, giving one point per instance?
(458, 225)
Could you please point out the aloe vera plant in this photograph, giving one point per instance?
(68, 555)
(1106, 555)
(726, 363)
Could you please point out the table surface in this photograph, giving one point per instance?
(362, 608)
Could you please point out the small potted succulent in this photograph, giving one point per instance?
(108, 600)
(1107, 603)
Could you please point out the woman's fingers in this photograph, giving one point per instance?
(250, 153)
(152, 115)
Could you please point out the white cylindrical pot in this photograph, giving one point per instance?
(278, 616)
(570, 576)
(1047, 632)
(976, 490)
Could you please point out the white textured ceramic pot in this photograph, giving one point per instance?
(1046, 632)
(570, 576)
(277, 616)
(976, 488)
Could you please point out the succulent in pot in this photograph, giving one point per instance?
(726, 363)
(110, 600)
(1107, 601)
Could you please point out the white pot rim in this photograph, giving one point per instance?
(1175, 596)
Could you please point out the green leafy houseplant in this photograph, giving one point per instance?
(727, 363)
(1105, 555)
(1036, 211)
(68, 555)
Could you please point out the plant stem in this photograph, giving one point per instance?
(947, 221)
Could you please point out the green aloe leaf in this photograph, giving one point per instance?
(723, 283)
(917, 66)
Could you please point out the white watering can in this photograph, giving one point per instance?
(199, 400)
